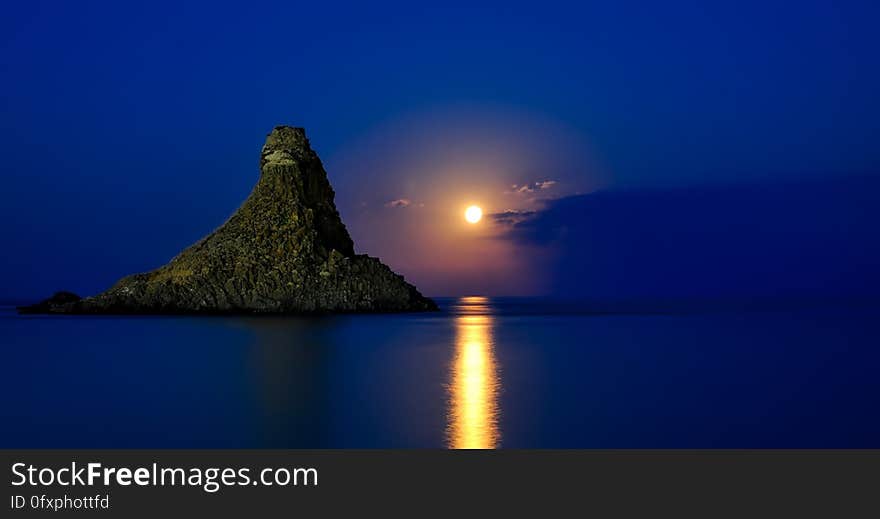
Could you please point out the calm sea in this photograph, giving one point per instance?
(481, 373)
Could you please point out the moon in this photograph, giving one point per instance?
(473, 214)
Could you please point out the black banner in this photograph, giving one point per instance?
(143, 483)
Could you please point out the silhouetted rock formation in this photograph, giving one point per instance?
(285, 250)
(57, 302)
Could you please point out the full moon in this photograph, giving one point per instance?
(473, 214)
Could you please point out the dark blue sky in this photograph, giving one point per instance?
(127, 132)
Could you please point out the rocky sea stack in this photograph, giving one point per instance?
(285, 250)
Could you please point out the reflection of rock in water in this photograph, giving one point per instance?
(474, 386)
(289, 372)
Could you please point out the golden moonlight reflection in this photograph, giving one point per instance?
(472, 418)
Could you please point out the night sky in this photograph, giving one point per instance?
(619, 149)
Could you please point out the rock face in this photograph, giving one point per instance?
(285, 250)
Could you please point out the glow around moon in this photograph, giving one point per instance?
(473, 214)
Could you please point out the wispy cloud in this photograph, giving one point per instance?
(531, 187)
(400, 202)
(511, 217)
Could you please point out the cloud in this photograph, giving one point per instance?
(400, 202)
(815, 238)
(531, 187)
(511, 217)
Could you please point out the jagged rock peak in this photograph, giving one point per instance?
(285, 250)
(285, 145)
(292, 172)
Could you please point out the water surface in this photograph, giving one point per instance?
(481, 373)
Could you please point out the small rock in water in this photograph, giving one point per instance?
(57, 302)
